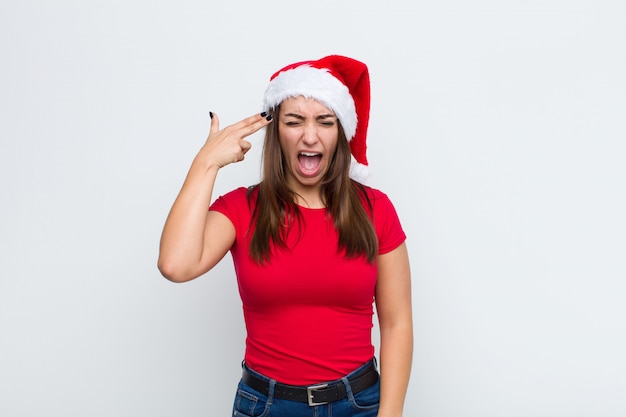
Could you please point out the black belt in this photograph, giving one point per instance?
(315, 394)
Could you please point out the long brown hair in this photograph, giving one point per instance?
(276, 209)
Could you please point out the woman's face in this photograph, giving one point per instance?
(308, 132)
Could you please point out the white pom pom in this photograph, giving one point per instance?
(359, 172)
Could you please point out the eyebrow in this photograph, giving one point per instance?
(320, 117)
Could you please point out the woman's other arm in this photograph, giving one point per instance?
(393, 305)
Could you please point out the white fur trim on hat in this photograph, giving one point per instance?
(318, 84)
(359, 172)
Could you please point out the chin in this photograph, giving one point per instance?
(310, 182)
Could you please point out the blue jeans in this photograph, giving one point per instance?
(252, 403)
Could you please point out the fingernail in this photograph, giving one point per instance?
(268, 118)
(263, 114)
(211, 114)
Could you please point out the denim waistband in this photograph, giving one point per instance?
(318, 394)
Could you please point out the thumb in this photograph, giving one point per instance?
(215, 122)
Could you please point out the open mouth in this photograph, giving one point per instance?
(309, 163)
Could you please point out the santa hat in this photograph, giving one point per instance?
(340, 83)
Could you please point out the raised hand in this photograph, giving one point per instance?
(229, 145)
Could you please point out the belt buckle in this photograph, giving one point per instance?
(309, 394)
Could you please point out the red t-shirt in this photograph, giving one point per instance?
(308, 312)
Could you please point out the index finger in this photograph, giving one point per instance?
(252, 124)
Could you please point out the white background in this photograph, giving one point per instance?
(497, 130)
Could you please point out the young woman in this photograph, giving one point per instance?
(313, 250)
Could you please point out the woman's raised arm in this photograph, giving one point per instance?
(194, 240)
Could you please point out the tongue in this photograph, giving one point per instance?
(309, 164)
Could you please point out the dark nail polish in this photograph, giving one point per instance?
(268, 118)
(263, 114)
(211, 114)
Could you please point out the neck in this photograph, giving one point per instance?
(310, 198)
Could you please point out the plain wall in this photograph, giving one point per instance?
(497, 130)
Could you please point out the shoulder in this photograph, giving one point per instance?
(385, 219)
(239, 194)
(235, 199)
(237, 206)
(374, 196)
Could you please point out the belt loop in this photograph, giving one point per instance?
(346, 384)
(270, 391)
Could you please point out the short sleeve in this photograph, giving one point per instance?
(386, 222)
(234, 205)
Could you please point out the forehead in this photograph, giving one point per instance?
(304, 106)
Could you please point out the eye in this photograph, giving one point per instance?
(292, 123)
(327, 121)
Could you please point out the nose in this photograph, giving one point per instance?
(309, 136)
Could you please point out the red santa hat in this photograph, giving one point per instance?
(340, 83)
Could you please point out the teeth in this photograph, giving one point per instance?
(308, 154)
